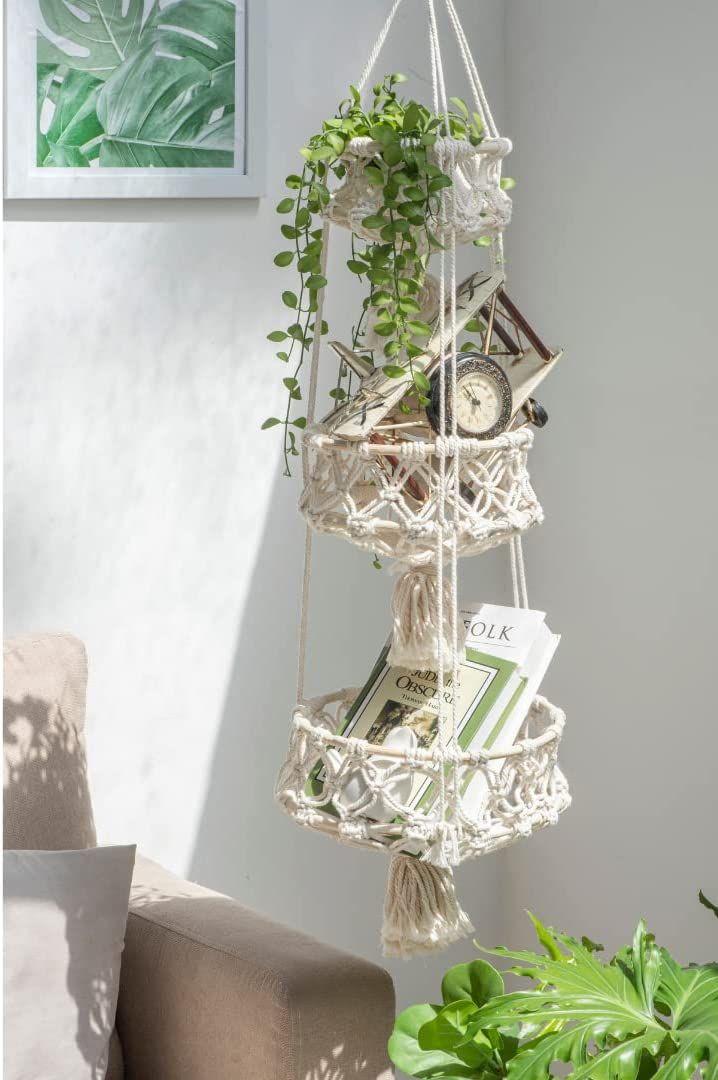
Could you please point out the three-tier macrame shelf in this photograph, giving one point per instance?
(479, 496)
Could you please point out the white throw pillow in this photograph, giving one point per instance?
(65, 915)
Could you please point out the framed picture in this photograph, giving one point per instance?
(134, 98)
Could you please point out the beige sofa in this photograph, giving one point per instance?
(209, 990)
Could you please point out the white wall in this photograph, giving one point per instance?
(146, 512)
(613, 247)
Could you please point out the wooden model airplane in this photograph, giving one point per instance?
(507, 339)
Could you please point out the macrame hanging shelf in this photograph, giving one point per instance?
(479, 496)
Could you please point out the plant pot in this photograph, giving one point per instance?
(475, 201)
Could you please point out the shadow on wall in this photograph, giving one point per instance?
(46, 795)
(244, 844)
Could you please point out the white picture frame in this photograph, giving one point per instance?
(24, 179)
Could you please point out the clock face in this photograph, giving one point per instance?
(478, 402)
(482, 406)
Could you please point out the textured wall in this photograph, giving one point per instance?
(146, 513)
(613, 246)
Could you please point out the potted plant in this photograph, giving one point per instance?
(637, 1016)
(400, 166)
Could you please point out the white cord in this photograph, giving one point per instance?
(518, 573)
(378, 46)
(472, 72)
(308, 536)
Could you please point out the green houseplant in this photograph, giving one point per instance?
(636, 1016)
(393, 264)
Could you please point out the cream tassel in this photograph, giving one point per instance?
(421, 910)
(418, 613)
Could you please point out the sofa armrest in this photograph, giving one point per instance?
(210, 990)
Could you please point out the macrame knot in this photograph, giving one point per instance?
(421, 910)
(447, 446)
(413, 451)
(422, 632)
(352, 830)
(358, 525)
(419, 530)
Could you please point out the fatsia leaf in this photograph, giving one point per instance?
(478, 981)
(646, 959)
(691, 995)
(99, 34)
(158, 111)
(448, 1028)
(75, 133)
(202, 30)
(641, 1015)
(407, 1055)
(707, 903)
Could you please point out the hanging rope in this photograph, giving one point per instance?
(308, 534)
(421, 910)
(378, 46)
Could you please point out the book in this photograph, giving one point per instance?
(507, 653)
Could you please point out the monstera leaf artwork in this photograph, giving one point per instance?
(136, 84)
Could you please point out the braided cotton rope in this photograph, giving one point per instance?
(378, 46)
(348, 492)
(482, 104)
(308, 535)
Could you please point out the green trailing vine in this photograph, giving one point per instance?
(394, 266)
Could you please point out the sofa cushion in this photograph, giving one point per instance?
(47, 800)
(65, 916)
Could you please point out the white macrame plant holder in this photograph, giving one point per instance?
(475, 494)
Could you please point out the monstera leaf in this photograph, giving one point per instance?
(169, 113)
(74, 135)
(136, 84)
(640, 1014)
(46, 90)
(202, 30)
(101, 33)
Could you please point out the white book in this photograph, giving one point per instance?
(502, 728)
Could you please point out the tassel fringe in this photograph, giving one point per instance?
(418, 614)
(421, 910)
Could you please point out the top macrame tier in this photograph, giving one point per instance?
(474, 205)
(396, 499)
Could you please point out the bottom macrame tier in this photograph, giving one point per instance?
(354, 791)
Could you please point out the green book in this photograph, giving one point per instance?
(493, 680)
